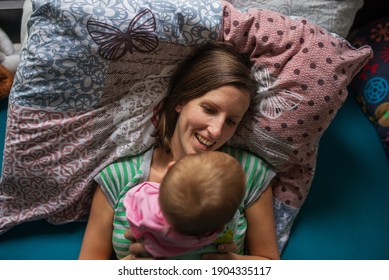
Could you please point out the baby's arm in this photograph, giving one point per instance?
(97, 242)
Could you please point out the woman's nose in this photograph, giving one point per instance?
(216, 128)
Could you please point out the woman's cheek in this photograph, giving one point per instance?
(231, 133)
(226, 135)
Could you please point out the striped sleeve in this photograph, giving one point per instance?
(116, 176)
(258, 174)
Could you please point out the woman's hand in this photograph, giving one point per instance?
(137, 249)
(133, 257)
(225, 252)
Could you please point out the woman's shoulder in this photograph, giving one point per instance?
(252, 164)
(241, 155)
(117, 175)
(258, 173)
(129, 164)
(135, 159)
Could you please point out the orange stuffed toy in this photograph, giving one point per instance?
(6, 80)
(9, 60)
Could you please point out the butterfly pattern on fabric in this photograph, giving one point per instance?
(273, 102)
(114, 44)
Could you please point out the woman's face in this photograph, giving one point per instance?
(206, 123)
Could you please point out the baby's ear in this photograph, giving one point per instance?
(170, 164)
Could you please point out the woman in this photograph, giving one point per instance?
(208, 97)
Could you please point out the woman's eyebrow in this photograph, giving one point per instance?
(214, 104)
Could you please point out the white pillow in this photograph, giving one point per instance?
(336, 16)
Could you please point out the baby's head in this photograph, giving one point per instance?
(201, 192)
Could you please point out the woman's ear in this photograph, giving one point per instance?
(179, 108)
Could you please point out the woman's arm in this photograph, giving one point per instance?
(97, 242)
(261, 237)
(261, 233)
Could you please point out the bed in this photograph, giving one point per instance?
(339, 213)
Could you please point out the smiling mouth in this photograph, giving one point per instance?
(204, 141)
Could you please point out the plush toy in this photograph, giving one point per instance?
(6, 80)
(9, 59)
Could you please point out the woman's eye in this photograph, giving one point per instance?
(208, 110)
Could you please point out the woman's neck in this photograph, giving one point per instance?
(159, 164)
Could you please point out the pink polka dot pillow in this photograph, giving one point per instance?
(302, 73)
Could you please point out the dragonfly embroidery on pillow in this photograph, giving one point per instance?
(114, 44)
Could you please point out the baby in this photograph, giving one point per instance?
(195, 205)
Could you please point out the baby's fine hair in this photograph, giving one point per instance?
(201, 192)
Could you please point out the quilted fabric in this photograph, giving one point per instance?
(371, 86)
(84, 97)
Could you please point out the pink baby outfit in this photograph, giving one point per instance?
(146, 220)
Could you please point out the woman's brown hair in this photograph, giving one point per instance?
(211, 66)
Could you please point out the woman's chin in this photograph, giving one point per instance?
(200, 148)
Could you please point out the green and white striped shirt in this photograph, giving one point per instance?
(117, 178)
